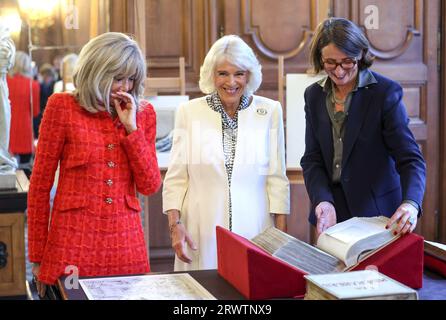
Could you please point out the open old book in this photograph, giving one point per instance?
(435, 249)
(356, 285)
(435, 257)
(338, 249)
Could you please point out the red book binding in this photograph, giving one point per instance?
(258, 275)
(435, 264)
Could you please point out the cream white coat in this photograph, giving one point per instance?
(196, 182)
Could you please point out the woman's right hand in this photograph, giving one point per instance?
(180, 237)
(326, 217)
(41, 287)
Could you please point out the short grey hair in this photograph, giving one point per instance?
(100, 60)
(22, 65)
(234, 50)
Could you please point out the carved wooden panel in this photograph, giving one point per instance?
(168, 31)
(286, 35)
(396, 29)
(12, 254)
(297, 222)
(442, 211)
(177, 28)
(412, 100)
(284, 28)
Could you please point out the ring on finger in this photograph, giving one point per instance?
(411, 220)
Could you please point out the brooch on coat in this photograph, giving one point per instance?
(262, 111)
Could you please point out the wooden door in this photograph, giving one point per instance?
(274, 28)
(167, 30)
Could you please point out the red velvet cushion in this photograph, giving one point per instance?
(254, 272)
(435, 264)
(258, 275)
(401, 260)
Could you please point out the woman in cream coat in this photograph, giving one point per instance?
(228, 160)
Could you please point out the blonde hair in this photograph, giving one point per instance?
(22, 65)
(100, 60)
(234, 50)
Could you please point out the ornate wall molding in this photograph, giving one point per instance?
(252, 30)
(412, 31)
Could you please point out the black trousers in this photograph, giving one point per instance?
(342, 211)
(340, 203)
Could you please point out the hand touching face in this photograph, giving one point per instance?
(122, 83)
(123, 101)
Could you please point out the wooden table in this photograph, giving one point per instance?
(434, 287)
(209, 279)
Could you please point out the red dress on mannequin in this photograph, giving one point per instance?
(21, 133)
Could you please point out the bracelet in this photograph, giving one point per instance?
(173, 225)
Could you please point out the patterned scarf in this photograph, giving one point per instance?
(229, 138)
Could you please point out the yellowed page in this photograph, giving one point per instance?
(340, 238)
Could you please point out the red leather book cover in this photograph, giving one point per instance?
(402, 260)
(253, 272)
(258, 275)
(435, 264)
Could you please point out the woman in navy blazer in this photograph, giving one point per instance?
(361, 158)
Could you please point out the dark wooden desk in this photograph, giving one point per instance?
(15, 200)
(434, 287)
(209, 279)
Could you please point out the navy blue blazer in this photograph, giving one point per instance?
(381, 162)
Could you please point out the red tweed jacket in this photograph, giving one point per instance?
(95, 223)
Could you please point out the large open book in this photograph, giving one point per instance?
(435, 257)
(338, 249)
(435, 249)
(273, 264)
(356, 285)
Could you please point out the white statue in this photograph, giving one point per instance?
(8, 163)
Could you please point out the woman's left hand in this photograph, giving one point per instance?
(126, 109)
(41, 287)
(405, 217)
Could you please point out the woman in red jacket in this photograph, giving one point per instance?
(19, 84)
(104, 137)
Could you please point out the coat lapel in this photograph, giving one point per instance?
(359, 106)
